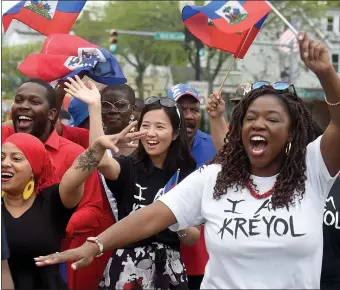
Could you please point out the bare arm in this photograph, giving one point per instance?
(316, 57)
(190, 236)
(91, 96)
(6, 281)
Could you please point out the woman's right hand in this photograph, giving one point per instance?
(124, 139)
(82, 257)
(89, 95)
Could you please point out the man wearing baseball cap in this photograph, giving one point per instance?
(202, 149)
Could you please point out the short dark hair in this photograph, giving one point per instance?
(179, 155)
(51, 95)
(122, 89)
(139, 104)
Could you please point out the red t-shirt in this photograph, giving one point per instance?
(77, 135)
(195, 257)
(92, 216)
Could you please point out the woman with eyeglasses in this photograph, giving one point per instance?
(261, 199)
(161, 160)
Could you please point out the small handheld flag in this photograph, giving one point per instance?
(230, 26)
(172, 182)
(46, 17)
(65, 55)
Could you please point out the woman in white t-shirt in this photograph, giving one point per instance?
(261, 199)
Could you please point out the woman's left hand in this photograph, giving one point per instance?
(82, 256)
(314, 54)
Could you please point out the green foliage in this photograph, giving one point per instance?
(11, 57)
(138, 51)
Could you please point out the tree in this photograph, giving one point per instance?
(138, 51)
(12, 56)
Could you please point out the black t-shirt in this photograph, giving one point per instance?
(135, 188)
(330, 274)
(4, 244)
(38, 232)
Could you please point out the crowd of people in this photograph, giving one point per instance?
(124, 193)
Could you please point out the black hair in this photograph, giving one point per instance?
(51, 95)
(179, 155)
(317, 129)
(124, 89)
(235, 163)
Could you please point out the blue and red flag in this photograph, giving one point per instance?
(65, 55)
(230, 26)
(46, 17)
(172, 182)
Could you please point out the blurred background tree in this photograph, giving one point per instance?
(11, 57)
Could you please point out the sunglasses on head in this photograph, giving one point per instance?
(164, 102)
(282, 87)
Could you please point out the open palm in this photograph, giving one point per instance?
(89, 95)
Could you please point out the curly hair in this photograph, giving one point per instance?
(235, 163)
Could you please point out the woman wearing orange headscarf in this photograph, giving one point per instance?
(36, 210)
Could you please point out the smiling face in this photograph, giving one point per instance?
(266, 130)
(31, 113)
(15, 170)
(160, 133)
(192, 115)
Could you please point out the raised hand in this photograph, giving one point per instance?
(89, 95)
(124, 139)
(215, 106)
(314, 54)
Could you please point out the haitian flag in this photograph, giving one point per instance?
(230, 26)
(65, 55)
(172, 182)
(46, 17)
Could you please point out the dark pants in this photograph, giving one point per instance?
(194, 282)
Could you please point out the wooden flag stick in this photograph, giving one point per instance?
(277, 12)
(226, 75)
(233, 62)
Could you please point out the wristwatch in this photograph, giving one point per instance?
(99, 244)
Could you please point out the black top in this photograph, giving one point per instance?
(4, 244)
(330, 274)
(135, 188)
(38, 232)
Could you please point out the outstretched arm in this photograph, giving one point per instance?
(316, 57)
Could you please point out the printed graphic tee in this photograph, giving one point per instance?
(250, 245)
(135, 189)
(330, 274)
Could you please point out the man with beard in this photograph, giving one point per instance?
(34, 112)
(202, 149)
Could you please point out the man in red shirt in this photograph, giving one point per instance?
(33, 112)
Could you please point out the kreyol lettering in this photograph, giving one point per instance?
(247, 227)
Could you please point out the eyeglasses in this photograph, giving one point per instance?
(282, 87)
(165, 102)
(119, 106)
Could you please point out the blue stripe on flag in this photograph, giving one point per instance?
(70, 6)
(16, 8)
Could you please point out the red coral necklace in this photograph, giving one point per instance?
(252, 191)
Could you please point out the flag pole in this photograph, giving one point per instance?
(277, 12)
(233, 62)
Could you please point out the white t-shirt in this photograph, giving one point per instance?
(249, 245)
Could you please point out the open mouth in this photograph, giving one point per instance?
(258, 145)
(24, 121)
(6, 176)
(152, 144)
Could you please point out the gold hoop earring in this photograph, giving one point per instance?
(2, 193)
(289, 145)
(28, 190)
